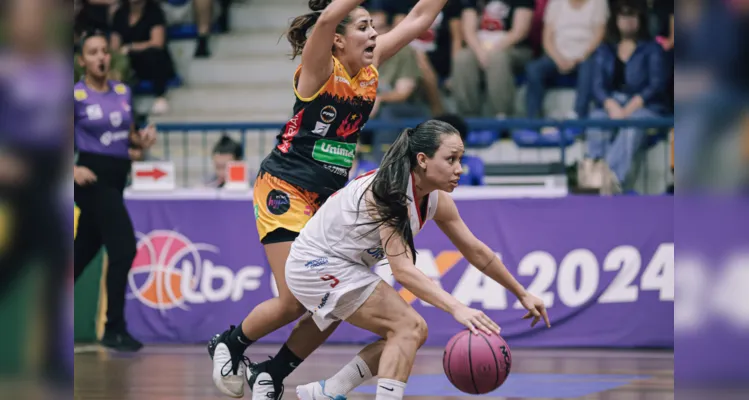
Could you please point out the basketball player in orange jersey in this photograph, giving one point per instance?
(335, 88)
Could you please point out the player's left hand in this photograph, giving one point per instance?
(147, 136)
(536, 309)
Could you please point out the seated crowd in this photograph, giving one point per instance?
(139, 32)
(617, 56)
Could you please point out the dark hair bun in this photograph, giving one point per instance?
(319, 5)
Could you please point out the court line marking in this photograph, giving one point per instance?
(89, 348)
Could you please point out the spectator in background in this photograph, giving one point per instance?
(663, 30)
(496, 33)
(628, 82)
(435, 48)
(663, 23)
(203, 13)
(397, 95)
(473, 167)
(139, 31)
(225, 151)
(381, 11)
(95, 15)
(537, 26)
(573, 30)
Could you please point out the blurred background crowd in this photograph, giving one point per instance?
(499, 60)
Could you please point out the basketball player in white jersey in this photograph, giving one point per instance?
(375, 217)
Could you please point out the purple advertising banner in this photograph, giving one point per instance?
(603, 266)
(711, 321)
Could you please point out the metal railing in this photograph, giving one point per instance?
(179, 141)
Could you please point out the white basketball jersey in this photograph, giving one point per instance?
(342, 227)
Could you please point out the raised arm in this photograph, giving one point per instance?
(482, 257)
(416, 22)
(318, 47)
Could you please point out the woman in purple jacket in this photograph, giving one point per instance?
(629, 81)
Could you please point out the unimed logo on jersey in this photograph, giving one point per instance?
(170, 271)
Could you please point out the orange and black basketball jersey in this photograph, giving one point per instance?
(316, 147)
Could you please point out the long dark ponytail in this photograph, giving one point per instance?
(300, 26)
(389, 187)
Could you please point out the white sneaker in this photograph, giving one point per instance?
(227, 377)
(264, 388)
(315, 391)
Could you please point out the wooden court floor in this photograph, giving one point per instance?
(184, 372)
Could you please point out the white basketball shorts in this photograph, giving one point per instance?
(331, 288)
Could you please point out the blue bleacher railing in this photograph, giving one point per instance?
(473, 123)
(528, 128)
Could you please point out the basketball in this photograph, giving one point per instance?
(477, 364)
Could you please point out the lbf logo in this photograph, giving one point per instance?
(169, 271)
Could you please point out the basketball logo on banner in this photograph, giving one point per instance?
(170, 271)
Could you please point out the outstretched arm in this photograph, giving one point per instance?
(317, 53)
(482, 257)
(406, 273)
(416, 22)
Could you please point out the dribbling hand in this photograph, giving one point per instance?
(536, 309)
(475, 320)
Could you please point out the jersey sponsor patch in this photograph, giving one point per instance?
(328, 114)
(94, 112)
(335, 153)
(107, 138)
(290, 130)
(115, 118)
(278, 202)
(350, 125)
(337, 170)
(321, 129)
(80, 94)
(378, 253)
(316, 263)
(120, 88)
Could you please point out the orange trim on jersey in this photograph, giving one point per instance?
(347, 76)
(376, 71)
(314, 96)
(351, 89)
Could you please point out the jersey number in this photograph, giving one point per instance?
(328, 277)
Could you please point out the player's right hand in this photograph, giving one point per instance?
(475, 320)
(83, 176)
